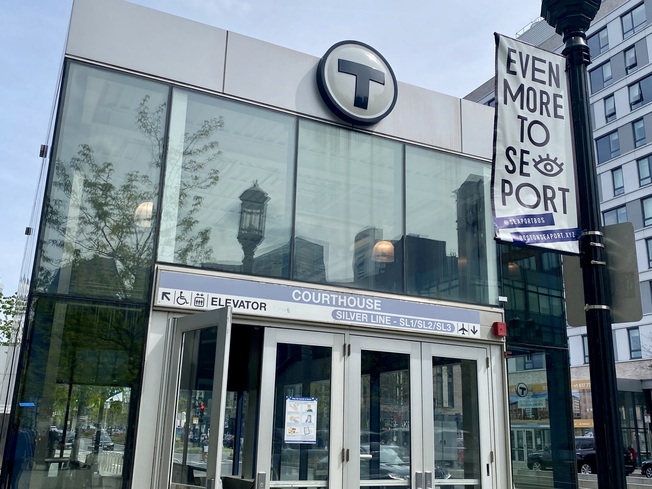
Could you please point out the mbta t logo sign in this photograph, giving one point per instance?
(357, 83)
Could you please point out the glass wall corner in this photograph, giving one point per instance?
(99, 220)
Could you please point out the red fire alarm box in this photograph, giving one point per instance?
(500, 329)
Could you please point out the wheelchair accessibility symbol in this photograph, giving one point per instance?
(182, 300)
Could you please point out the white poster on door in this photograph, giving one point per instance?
(300, 420)
(534, 193)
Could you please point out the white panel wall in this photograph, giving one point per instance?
(126, 35)
(424, 117)
(477, 129)
(143, 40)
(273, 75)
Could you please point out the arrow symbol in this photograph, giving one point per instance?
(474, 330)
(165, 296)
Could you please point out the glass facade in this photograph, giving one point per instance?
(363, 211)
(98, 227)
(541, 418)
(246, 190)
(349, 198)
(218, 149)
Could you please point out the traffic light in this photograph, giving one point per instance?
(201, 409)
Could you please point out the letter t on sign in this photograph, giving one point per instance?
(363, 76)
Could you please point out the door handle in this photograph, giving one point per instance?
(418, 480)
(428, 479)
(261, 480)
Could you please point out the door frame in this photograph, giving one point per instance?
(273, 336)
(177, 327)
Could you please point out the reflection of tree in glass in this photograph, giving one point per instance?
(105, 242)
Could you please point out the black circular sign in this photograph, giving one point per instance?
(357, 83)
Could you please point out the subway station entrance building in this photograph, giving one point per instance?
(254, 266)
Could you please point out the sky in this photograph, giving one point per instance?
(442, 46)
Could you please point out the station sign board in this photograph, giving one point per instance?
(200, 292)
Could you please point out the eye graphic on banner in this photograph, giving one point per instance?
(534, 196)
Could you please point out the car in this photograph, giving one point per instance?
(391, 464)
(585, 456)
(646, 468)
(105, 442)
(540, 459)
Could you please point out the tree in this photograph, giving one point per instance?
(11, 310)
(96, 226)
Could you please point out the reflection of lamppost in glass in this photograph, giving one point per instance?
(251, 231)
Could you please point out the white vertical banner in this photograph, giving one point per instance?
(534, 194)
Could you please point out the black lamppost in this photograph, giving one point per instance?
(251, 231)
(571, 19)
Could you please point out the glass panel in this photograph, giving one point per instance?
(618, 181)
(525, 271)
(606, 72)
(234, 429)
(456, 419)
(638, 17)
(639, 133)
(644, 174)
(385, 417)
(609, 108)
(634, 343)
(635, 96)
(449, 251)
(630, 58)
(647, 212)
(228, 186)
(193, 407)
(349, 209)
(301, 413)
(75, 417)
(99, 213)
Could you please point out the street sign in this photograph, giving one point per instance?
(620, 247)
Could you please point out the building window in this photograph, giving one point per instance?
(615, 216)
(647, 211)
(585, 348)
(608, 146)
(598, 42)
(533, 361)
(609, 108)
(644, 173)
(633, 20)
(618, 181)
(635, 96)
(630, 59)
(648, 244)
(634, 343)
(601, 77)
(639, 133)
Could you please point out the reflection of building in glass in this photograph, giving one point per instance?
(308, 261)
(471, 237)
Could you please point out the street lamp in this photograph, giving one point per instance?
(251, 231)
(571, 19)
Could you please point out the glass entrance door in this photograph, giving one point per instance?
(196, 399)
(458, 411)
(302, 408)
(416, 421)
(348, 411)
